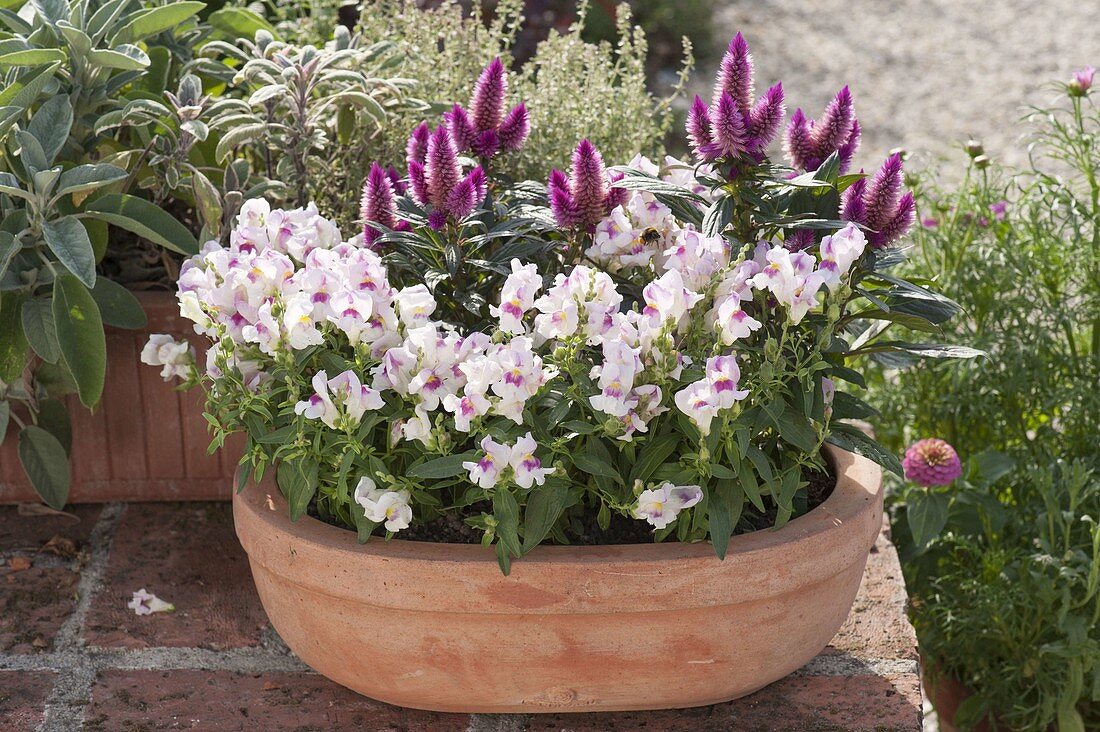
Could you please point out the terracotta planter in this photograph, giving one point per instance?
(146, 441)
(947, 694)
(649, 626)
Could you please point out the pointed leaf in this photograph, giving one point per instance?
(117, 306)
(50, 125)
(80, 337)
(69, 242)
(46, 465)
(144, 219)
(38, 326)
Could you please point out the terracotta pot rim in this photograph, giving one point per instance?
(328, 560)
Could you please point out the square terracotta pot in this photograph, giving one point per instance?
(146, 441)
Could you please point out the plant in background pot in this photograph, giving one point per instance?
(62, 182)
(624, 364)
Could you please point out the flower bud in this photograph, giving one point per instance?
(974, 148)
(1082, 81)
(981, 162)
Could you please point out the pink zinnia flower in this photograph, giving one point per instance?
(931, 462)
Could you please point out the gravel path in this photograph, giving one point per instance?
(926, 74)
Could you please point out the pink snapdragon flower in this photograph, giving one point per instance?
(146, 603)
(931, 462)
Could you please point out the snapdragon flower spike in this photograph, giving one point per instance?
(485, 128)
(377, 204)
(808, 142)
(583, 199)
(732, 125)
(879, 205)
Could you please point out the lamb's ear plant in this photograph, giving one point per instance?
(62, 184)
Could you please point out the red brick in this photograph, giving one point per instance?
(878, 626)
(218, 701)
(29, 533)
(34, 603)
(188, 555)
(23, 696)
(806, 704)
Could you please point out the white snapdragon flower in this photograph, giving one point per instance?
(659, 507)
(355, 398)
(700, 403)
(667, 300)
(486, 471)
(146, 603)
(732, 322)
(839, 252)
(791, 279)
(466, 408)
(390, 508)
(522, 376)
(696, 257)
(527, 468)
(319, 405)
(301, 329)
(723, 373)
(616, 378)
(517, 297)
(176, 356)
(415, 305)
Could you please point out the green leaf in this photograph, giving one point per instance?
(9, 247)
(54, 418)
(5, 414)
(654, 453)
(80, 336)
(506, 512)
(125, 57)
(31, 153)
(22, 92)
(13, 344)
(144, 219)
(145, 23)
(851, 438)
(846, 406)
(88, 177)
(38, 326)
(239, 23)
(298, 484)
(796, 430)
(32, 57)
(921, 350)
(117, 306)
(51, 124)
(926, 513)
(545, 506)
(595, 464)
(236, 137)
(443, 467)
(69, 242)
(46, 465)
(718, 524)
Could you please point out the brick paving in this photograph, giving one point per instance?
(72, 656)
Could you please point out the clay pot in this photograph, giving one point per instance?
(146, 441)
(587, 628)
(947, 694)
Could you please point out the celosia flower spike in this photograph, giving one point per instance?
(735, 74)
(586, 196)
(487, 102)
(764, 119)
(377, 204)
(879, 205)
(931, 462)
(441, 168)
(515, 128)
(732, 126)
(461, 127)
(809, 143)
(417, 147)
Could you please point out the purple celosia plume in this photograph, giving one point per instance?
(582, 199)
(436, 180)
(931, 462)
(808, 142)
(377, 204)
(486, 129)
(732, 125)
(879, 205)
